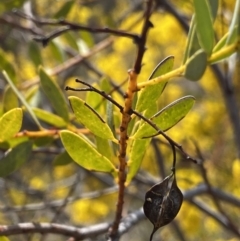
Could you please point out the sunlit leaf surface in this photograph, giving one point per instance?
(196, 66)
(10, 123)
(204, 25)
(150, 94)
(83, 153)
(167, 117)
(15, 158)
(54, 94)
(49, 117)
(90, 119)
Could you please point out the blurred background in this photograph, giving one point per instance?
(52, 188)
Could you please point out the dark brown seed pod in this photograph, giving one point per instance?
(162, 203)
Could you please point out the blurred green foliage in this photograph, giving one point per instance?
(208, 123)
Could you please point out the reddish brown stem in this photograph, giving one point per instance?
(126, 117)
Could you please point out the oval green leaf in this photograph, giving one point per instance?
(49, 118)
(137, 152)
(204, 25)
(57, 50)
(223, 41)
(21, 98)
(7, 65)
(235, 22)
(15, 158)
(54, 94)
(105, 84)
(150, 94)
(110, 117)
(43, 141)
(6, 6)
(196, 66)
(4, 238)
(10, 143)
(167, 117)
(104, 147)
(83, 153)
(192, 41)
(111, 124)
(70, 40)
(10, 123)
(95, 100)
(64, 10)
(90, 119)
(214, 8)
(35, 53)
(10, 100)
(62, 159)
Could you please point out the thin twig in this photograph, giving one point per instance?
(17, 217)
(209, 186)
(75, 60)
(65, 202)
(143, 37)
(67, 25)
(91, 88)
(60, 202)
(9, 20)
(159, 158)
(71, 62)
(70, 231)
(130, 112)
(179, 232)
(216, 216)
(160, 132)
(126, 118)
(229, 94)
(188, 195)
(125, 225)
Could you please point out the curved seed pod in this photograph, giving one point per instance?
(162, 203)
